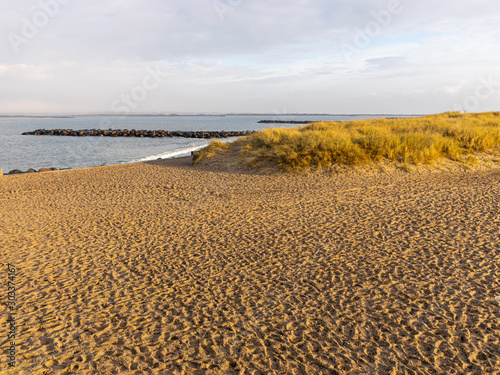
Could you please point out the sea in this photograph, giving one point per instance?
(22, 152)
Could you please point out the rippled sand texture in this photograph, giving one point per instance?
(164, 269)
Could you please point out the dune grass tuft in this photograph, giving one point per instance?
(210, 151)
(405, 141)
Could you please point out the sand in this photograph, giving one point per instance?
(161, 268)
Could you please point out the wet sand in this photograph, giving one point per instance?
(160, 268)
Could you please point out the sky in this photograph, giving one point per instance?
(249, 56)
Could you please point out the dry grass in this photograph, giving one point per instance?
(404, 141)
(209, 151)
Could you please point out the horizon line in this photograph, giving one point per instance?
(201, 114)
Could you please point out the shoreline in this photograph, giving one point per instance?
(14, 161)
(185, 158)
(228, 166)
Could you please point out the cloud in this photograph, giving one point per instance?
(25, 71)
(254, 56)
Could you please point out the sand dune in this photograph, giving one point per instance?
(160, 268)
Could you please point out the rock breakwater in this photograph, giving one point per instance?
(140, 133)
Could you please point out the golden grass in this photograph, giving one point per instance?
(405, 141)
(209, 151)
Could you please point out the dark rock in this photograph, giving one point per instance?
(31, 170)
(140, 133)
(15, 171)
(44, 170)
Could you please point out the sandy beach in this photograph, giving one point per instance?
(162, 268)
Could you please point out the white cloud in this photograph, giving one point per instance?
(260, 56)
(25, 72)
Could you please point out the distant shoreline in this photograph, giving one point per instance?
(208, 115)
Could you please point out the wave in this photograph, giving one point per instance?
(182, 152)
(171, 154)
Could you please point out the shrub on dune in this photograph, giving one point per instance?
(403, 140)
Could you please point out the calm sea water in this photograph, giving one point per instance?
(28, 151)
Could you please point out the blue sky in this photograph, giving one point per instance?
(242, 56)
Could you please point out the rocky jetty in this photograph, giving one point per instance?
(283, 122)
(140, 133)
(31, 170)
